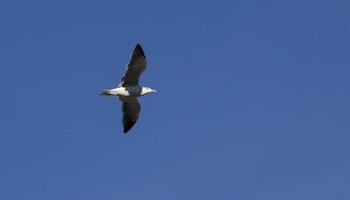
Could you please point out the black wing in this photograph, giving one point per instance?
(131, 109)
(136, 66)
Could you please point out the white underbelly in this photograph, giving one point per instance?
(129, 91)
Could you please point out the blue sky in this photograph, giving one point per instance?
(252, 102)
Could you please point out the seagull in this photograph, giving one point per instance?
(129, 88)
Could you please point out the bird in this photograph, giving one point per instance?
(129, 88)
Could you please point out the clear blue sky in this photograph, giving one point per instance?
(252, 102)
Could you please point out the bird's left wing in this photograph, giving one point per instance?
(131, 109)
(136, 66)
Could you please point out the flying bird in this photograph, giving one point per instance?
(129, 88)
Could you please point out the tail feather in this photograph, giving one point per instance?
(105, 93)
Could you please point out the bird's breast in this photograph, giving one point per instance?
(129, 91)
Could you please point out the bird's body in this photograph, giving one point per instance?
(129, 89)
(134, 91)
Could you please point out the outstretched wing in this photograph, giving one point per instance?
(136, 66)
(131, 109)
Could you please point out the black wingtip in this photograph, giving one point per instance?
(139, 49)
(138, 46)
(128, 126)
(126, 130)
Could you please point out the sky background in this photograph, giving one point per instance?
(252, 102)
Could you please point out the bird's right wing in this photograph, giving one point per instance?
(131, 109)
(136, 66)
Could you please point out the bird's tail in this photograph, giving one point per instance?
(105, 93)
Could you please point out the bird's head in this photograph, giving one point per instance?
(147, 90)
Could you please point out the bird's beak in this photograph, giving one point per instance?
(155, 91)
